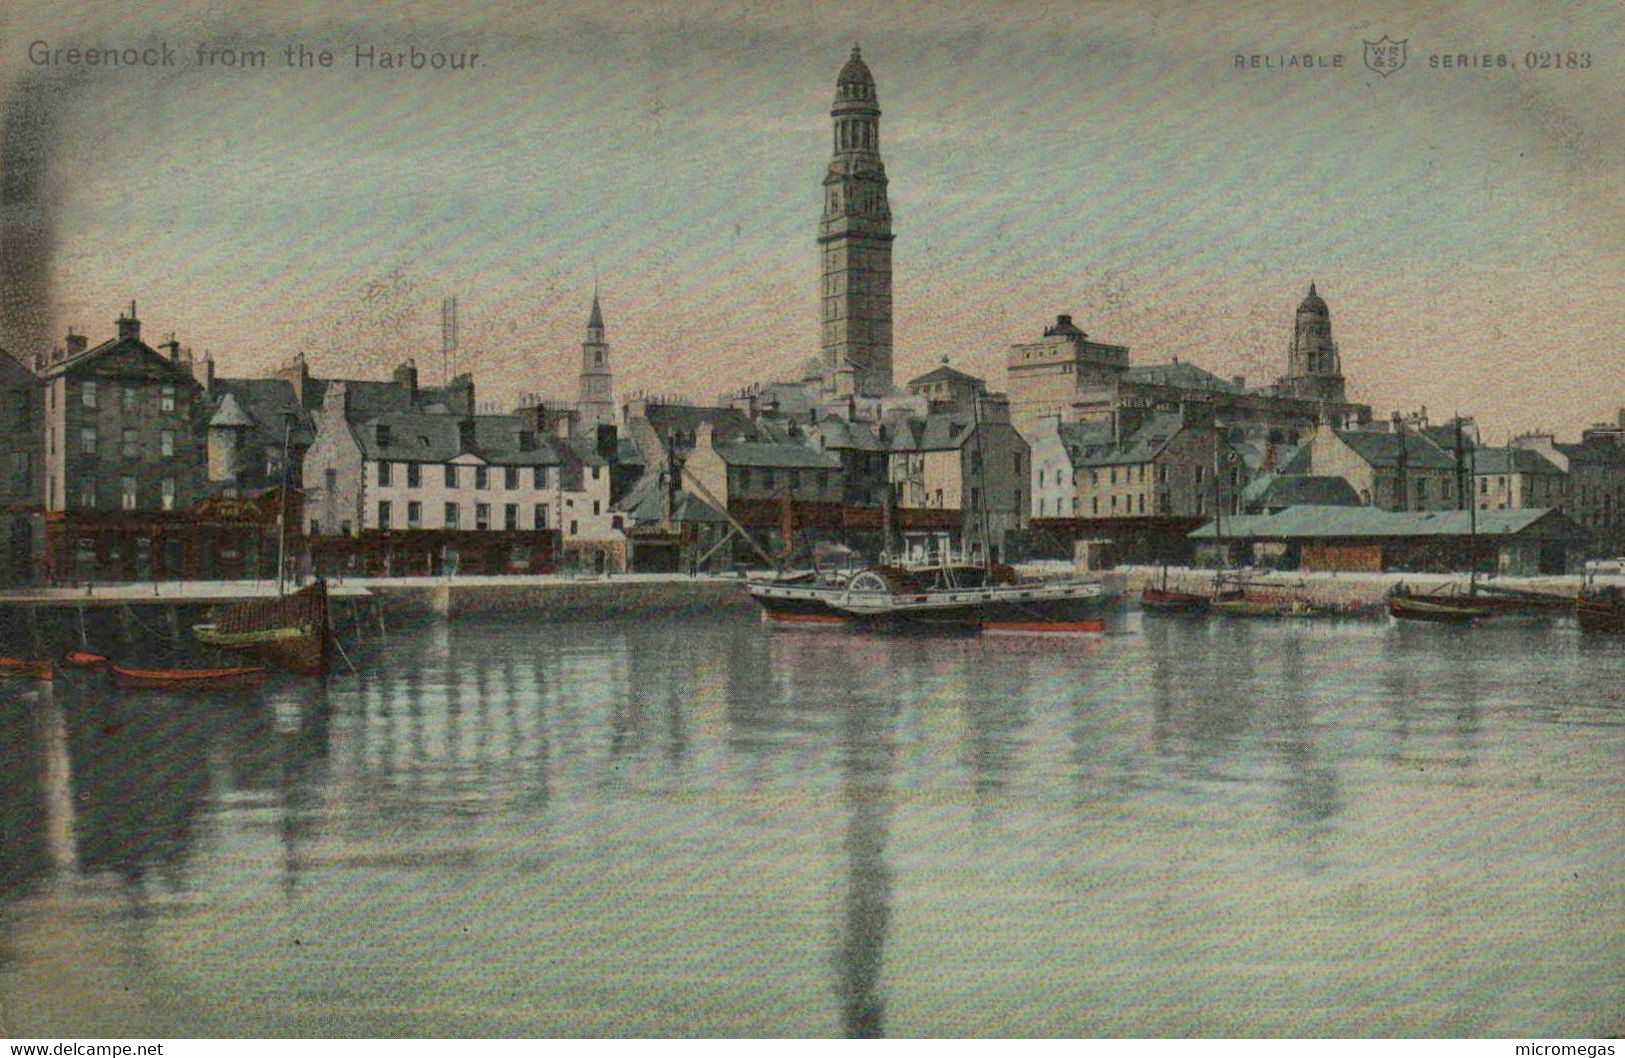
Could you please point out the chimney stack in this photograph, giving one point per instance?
(406, 377)
(76, 344)
(128, 325)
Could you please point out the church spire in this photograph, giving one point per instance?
(595, 403)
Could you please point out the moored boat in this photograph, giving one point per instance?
(185, 678)
(1162, 600)
(289, 632)
(1601, 610)
(83, 659)
(1407, 607)
(940, 598)
(27, 669)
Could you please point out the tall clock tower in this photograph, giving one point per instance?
(855, 240)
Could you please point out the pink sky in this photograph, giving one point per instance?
(1107, 161)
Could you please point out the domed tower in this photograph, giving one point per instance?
(1314, 371)
(855, 239)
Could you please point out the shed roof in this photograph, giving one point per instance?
(1314, 521)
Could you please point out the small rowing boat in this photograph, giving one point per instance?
(26, 669)
(83, 659)
(176, 679)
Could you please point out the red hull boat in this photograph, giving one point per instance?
(26, 669)
(173, 679)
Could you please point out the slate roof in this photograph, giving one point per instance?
(1090, 444)
(838, 434)
(263, 402)
(370, 397)
(146, 361)
(1382, 449)
(726, 423)
(767, 454)
(1326, 522)
(1292, 490)
(643, 503)
(1599, 454)
(945, 373)
(418, 437)
(1185, 376)
(1510, 461)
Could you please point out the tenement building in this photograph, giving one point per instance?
(21, 469)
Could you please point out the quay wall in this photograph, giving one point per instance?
(1340, 589)
(564, 599)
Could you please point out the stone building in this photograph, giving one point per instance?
(973, 468)
(22, 469)
(1396, 470)
(1516, 477)
(1067, 375)
(412, 492)
(118, 425)
(855, 240)
(1595, 470)
(1166, 468)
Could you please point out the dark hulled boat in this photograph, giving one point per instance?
(1601, 610)
(1162, 600)
(1457, 610)
(289, 632)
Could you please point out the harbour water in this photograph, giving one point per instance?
(506, 826)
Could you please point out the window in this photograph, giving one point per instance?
(166, 399)
(510, 478)
(166, 445)
(451, 476)
(482, 516)
(383, 511)
(795, 481)
(1483, 486)
(87, 393)
(451, 516)
(540, 514)
(127, 398)
(87, 494)
(482, 477)
(87, 440)
(331, 479)
(315, 527)
(510, 517)
(744, 478)
(976, 499)
(767, 477)
(1017, 461)
(132, 445)
(574, 528)
(126, 487)
(166, 493)
(1114, 475)
(1094, 505)
(1114, 503)
(414, 515)
(538, 477)
(595, 471)
(1074, 506)
(383, 476)
(414, 475)
(344, 527)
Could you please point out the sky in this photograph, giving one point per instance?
(1109, 161)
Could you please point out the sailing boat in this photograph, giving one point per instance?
(290, 631)
(1445, 607)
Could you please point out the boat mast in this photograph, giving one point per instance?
(982, 478)
(282, 504)
(1218, 502)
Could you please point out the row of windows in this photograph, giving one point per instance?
(129, 495)
(452, 517)
(451, 475)
(129, 445)
(89, 396)
(791, 478)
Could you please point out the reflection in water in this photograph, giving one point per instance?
(28, 788)
(708, 828)
(141, 777)
(867, 752)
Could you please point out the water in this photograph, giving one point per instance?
(713, 828)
